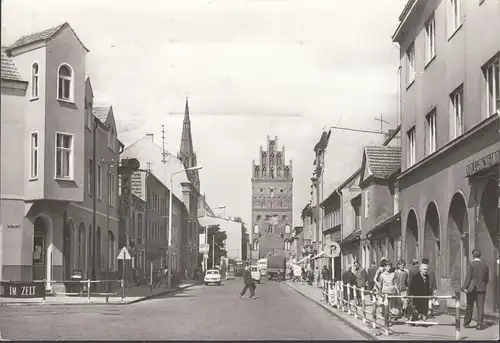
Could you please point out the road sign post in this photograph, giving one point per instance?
(123, 255)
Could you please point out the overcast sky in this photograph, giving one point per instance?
(251, 68)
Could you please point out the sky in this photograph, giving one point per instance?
(251, 68)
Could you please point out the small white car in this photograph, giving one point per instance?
(212, 276)
(254, 270)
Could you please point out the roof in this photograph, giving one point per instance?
(384, 223)
(42, 36)
(352, 236)
(383, 161)
(349, 180)
(9, 70)
(101, 112)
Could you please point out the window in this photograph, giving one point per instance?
(287, 245)
(396, 198)
(65, 83)
(367, 202)
(111, 189)
(411, 147)
(256, 228)
(457, 112)
(431, 132)
(430, 40)
(99, 182)
(492, 79)
(111, 250)
(34, 81)
(287, 228)
(111, 139)
(410, 65)
(34, 155)
(456, 15)
(90, 177)
(64, 156)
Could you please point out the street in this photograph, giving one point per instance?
(198, 313)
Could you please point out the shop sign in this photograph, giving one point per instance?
(22, 289)
(483, 163)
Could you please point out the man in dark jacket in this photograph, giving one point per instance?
(247, 279)
(432, 285)
(372, 270)
(475, 287)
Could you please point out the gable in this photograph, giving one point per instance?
(110, 121)
(365, 168)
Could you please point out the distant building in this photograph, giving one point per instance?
(272, 194)
(233, 230)
(450, 102)
(50, 177)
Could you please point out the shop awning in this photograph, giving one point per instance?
(384, 224)
(352, 237)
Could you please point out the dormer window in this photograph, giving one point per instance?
(111, 139)
(65, 83)
(34, 81)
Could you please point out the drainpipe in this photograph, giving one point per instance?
(92, 244)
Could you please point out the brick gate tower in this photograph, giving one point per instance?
(272, 190)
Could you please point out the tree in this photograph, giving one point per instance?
(220, 236)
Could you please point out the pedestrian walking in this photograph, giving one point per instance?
(414, 270)
(432, 286)
(387, 286)
(325, 273)
(401, 281)
(317, 275)
(474, 286)
(361, 279)
(371, 276)
(349, 278)
(419, 286)
(248, 283)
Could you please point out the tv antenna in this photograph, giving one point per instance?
(382, 121)
(163, 153)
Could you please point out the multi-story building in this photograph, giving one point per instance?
(46, 207)
(332, 211)
(272, 191)
(450, 100)
(150, 185)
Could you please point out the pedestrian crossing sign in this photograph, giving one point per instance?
(124, 254)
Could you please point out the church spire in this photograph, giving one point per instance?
(186, 151)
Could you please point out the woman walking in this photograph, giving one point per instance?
(387, 286)
(419, 286)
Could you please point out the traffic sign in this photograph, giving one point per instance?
(204, 248)
(335, 247)
(124, 254)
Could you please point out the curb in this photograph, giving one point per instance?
(159, 294)
(29, 304)
(365, 333)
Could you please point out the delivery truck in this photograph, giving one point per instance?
(276, 266)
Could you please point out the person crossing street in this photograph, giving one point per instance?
(248, 283)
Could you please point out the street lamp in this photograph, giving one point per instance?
(169, 245)
(109, 164)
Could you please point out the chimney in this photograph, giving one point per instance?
(150, 136)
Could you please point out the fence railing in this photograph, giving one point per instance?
(342, 296)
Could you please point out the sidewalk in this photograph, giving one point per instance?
(400, 330)
(133, 294)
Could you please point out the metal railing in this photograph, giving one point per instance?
(341, 296)
(85, 288)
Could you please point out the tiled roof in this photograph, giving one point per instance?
(35, 37)
(101, 112)
(383, 161)
(9, 70)
(41, 36)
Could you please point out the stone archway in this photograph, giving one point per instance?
(432, 246)
(488, 241)
(40, 245)
(411, 236)
(458, 241)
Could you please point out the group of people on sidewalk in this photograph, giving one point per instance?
(420, 281)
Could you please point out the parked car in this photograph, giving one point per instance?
(212, 276)
(254, 270)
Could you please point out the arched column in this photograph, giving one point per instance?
(458, 241)
(411, 239)
(432, 244)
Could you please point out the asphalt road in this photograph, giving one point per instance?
(198, 313)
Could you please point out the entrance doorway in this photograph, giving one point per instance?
(39, 250)
(412, 250)
(431, 239)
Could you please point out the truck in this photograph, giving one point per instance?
(262, 265)
(276, 265)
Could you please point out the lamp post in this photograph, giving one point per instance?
(110, 165)
(169, 245)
